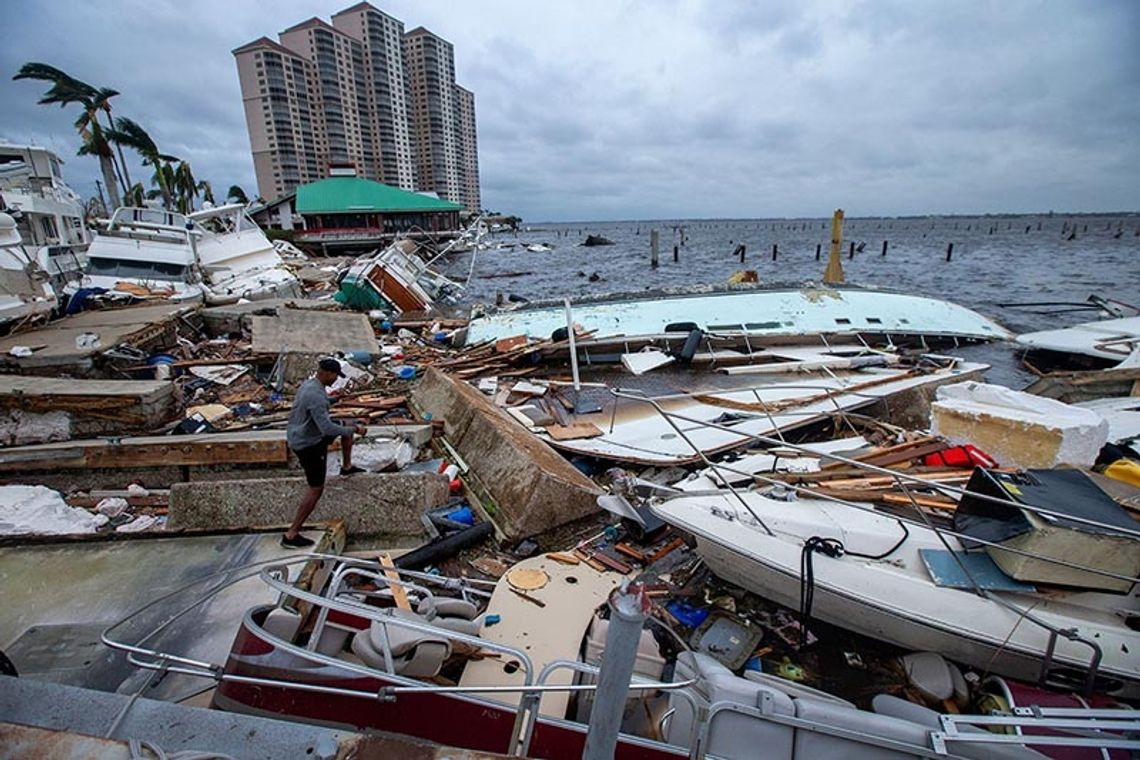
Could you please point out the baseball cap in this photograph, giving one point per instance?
(330, 365)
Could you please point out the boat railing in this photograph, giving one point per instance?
(275, 574)
(902, 481)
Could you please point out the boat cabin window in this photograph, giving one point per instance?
(135, 270)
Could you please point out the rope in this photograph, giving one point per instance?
(144, 750)
(834, 548)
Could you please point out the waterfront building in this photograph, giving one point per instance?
(359, 92)
(353, 213)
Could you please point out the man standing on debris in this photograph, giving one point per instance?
(311, 430)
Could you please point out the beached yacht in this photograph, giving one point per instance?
(217, 255)
(26, 295)
(48, 213)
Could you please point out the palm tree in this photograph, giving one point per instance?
(207, 191)
(237, 195)
(65, 90)
(185, 187)
(130, 134)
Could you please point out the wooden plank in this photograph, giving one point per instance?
(189, 454)
(932, 502)
(259, 447)
(399, 595)
(572, 432)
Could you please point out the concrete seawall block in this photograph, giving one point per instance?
(534, 487)
(388, 504)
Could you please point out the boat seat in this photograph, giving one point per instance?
(457, 615)
(414, 654)
(888, 705)
(730, 734)
(282, 623)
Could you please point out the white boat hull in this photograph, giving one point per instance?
(755, 312)
(894, 599)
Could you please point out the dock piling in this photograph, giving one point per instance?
(629, 606)
(653, 248)
(949, 250)
(884, 248)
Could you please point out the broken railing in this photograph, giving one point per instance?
(275, 573)
(943, 534)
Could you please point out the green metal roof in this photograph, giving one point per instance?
(353, 194)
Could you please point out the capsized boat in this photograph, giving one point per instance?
(484, 666)
(396, 280)
(750, 314)
(793, 387)
(26, 294)
(218, 255)
(1101, 344)
(885, 581)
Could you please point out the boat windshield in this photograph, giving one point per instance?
(135, 270)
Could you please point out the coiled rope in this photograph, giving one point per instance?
(832, 547)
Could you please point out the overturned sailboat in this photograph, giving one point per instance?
(744, 315)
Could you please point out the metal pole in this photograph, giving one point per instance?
(629, 606)
(574, 347)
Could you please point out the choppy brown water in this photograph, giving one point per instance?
(995, 260)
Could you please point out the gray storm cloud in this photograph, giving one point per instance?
(602, 110)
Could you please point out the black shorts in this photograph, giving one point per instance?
(314, 461)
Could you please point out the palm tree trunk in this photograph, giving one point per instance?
(107, 165)
(122, 159)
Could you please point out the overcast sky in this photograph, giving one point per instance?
(602, 109)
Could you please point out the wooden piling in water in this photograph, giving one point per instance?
(774, 251)
(742, 249)
(653, 249)
(949, 250)
(884, 248)
(818, 248)
(851, 250)
(676, 255)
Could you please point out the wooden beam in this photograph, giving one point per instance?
(399, 595)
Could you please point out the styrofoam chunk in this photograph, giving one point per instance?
(1018, 429)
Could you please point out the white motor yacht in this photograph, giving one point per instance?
(25, 291)
(48, 213)
(217, 255)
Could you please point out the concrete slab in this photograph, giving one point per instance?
(388, 504)
(233, 318)
(45, 720)
(312, 332)
(534, 487)
(60, 595)
(41, 409)
(54, 344)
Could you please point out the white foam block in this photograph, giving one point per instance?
(1018, 429)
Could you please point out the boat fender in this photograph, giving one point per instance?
(560, 335)
(674, 327)
(692, 343)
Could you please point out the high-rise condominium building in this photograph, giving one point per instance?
(381, 38)
(430, 63)
(468, 150)
(359, 91)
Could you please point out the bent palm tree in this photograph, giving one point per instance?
(129, 133)
(237, 195)
(65, 90)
